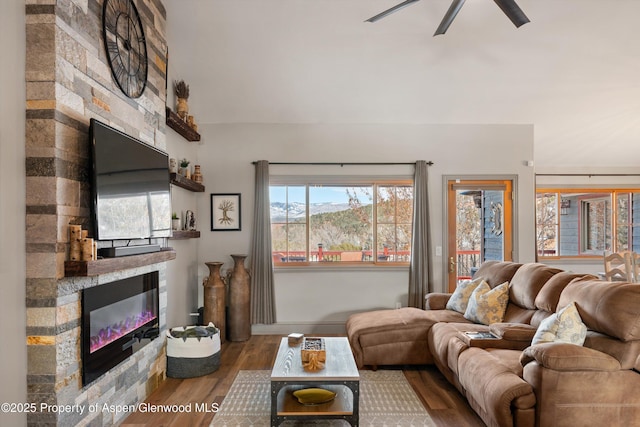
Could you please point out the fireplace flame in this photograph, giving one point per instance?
(111, 333)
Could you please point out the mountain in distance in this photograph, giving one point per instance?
(297, 210)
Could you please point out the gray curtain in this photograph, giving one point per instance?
(419, 272)
(262, 294)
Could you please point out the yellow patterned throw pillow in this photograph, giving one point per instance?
(488, 305)
(460, 297)
(564, 326)
(314, 396)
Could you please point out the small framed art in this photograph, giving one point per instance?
(225, 212)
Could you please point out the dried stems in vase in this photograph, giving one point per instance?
(181, 88)
(182, 93)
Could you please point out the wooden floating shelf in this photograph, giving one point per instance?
(176, 123)
(109, 265)
(187, 184)
(185, 234)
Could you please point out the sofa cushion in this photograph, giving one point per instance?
(488, 305)
(460, 297)
(517, 314)
(569, 357)
(548, 297)
(493, 383)
(443, 339)
(607, 307)
(625, 352)
(513, 331)
(392, 337)
(527, 282)
(563, 326)
(496, 273)
(436, 300)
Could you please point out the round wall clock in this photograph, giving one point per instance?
(125, 46)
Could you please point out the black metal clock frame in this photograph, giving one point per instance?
(125, 46)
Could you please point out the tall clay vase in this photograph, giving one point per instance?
(214, 298)
(239, 301)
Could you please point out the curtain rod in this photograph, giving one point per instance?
(345, 163)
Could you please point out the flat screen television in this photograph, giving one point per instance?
(131, 189)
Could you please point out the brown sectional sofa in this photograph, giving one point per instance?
(507, 381)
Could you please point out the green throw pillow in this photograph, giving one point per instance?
(564, 326)
(460, 297)
(314, 396)
(488, 305)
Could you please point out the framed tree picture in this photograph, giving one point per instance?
(225, 212)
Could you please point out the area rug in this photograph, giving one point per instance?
(386, 399)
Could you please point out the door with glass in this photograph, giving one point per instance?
(479, 225)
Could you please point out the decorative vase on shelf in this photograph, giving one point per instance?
(239, 301)
(184, 168)
(192, 123)
(214, 298)
(197, 174)
(182, 108)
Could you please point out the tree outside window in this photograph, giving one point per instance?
(341, 223)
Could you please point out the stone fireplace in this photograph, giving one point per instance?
(68, 82)
(55, 373)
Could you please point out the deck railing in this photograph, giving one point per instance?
(341, 256)
(468, 261)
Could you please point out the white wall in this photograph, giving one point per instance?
(183, 282)
(13, 351)
(571, 71)
(311, 299)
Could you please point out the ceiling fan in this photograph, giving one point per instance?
(509, 7)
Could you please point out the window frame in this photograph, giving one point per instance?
(610, 194)
(342, 181)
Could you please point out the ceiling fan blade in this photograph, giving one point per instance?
(449, 17)
(391, 10)
(513, 11)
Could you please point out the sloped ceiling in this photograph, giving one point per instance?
(573, 72)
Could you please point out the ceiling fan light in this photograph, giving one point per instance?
(391, 10)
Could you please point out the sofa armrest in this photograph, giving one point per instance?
(513, 331)
(569, 357)
(436, 301)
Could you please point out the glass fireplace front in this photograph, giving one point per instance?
(118, 318)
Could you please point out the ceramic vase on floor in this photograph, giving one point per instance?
(239, 301)
(214, 298)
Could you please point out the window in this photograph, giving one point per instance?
(596, 233)
(337, 223)
(583, 223)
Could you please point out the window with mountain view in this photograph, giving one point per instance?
(575, 223)
(313, 223)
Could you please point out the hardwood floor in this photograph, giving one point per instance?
(443, 402)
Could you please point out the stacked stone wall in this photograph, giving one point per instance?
(69, 82)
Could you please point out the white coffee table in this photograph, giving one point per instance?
(340, 374)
